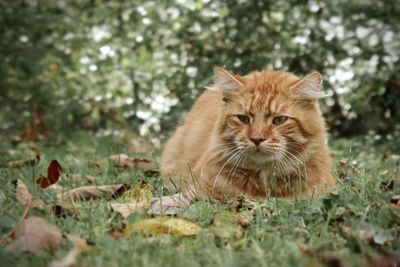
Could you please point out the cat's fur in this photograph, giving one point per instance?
(212, 153)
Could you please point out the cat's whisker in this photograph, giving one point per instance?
(214, 155)
(234, 167)
(237, 150)
(299, 168)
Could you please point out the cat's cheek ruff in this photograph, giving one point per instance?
(301, 128)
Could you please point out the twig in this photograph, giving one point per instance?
(24, 215)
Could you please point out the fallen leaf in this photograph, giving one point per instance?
(142, 192)
(390, 260)
(385, 156)
(53, 68)
(168, 205)
(36, 130)
(95, 192)
(395, 201)
(387, 185)
(163, 225)
(342, 163)
(53, 174)
(69, 259)
(368, 233)
(355, 170)
(95, 163)
(60, 211)
(35, 234)
(151, 173)
(29, 133)
(22, 194)
(17, 164)
(127, 209)
(117, 234)
(245, 218)
(331, 258)
(124, 161)
(91, 178)
(394, 207)
(77, 241)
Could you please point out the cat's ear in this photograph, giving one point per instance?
(224, 81)
(309, 87)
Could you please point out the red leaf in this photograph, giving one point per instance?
(54, 171)
(53, 174)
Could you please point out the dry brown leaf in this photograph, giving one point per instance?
(22, 194)
(124, 161)
(395, 201)
(35, 234)
(77, 241)
(95, 192)
(387, 185)
(168, 205)
(96, 163)
(151, 173)
(69, 260)
(91, 178)
(390, 260)
(127, 209)
(117, 234)
(331, 258)
(17, 164)
(368, 233)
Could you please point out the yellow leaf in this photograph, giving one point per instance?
(141, 193)
(164, 225)
(53, 68)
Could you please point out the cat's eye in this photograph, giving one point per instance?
(243, 118)
(279, 120)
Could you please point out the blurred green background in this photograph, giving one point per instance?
(103, 66)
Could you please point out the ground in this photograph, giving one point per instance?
(356, 225)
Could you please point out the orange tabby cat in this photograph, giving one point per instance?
(257, 135)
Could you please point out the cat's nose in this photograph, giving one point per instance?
(257, 141)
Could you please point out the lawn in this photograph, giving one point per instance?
(356, 225)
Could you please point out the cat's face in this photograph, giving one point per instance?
(266, 118)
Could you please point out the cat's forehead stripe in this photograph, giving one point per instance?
(265, 103)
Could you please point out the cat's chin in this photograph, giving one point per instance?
(260, 157)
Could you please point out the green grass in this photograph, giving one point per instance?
(273, 232)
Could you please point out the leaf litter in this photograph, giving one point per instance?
(163, 225)
(34, 234)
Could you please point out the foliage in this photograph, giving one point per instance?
(116, 64)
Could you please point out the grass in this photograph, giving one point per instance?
(337, 229)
